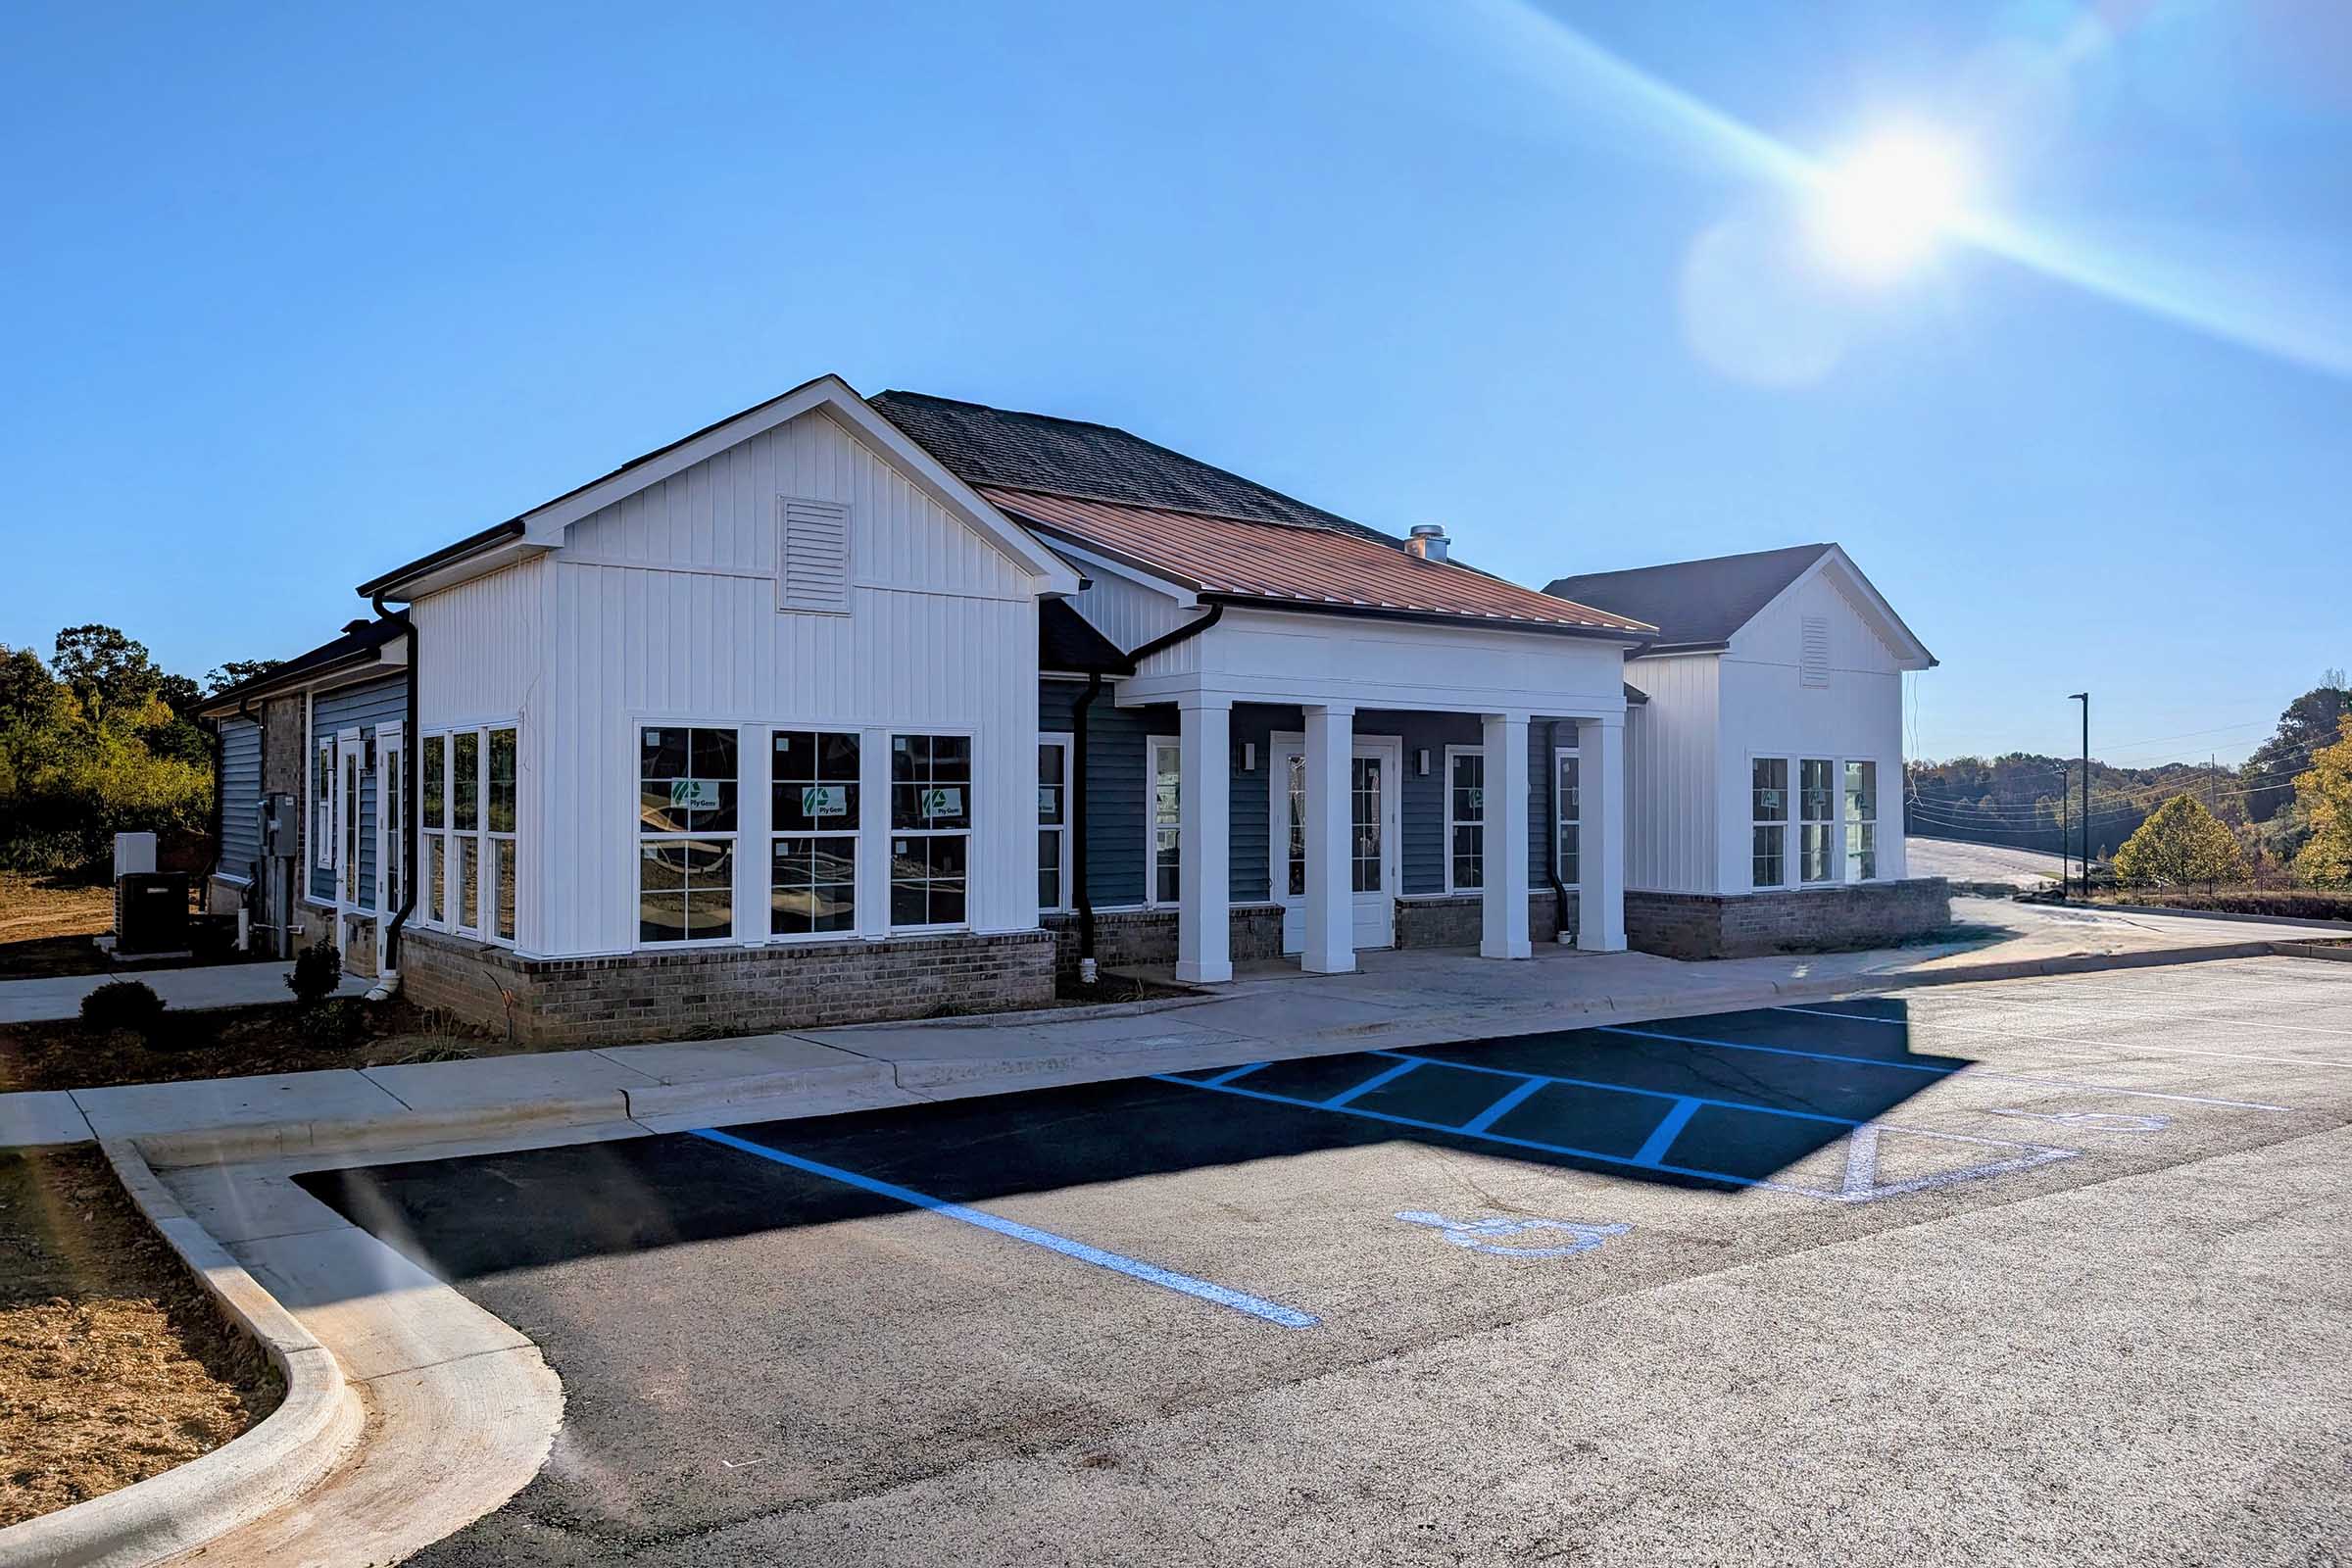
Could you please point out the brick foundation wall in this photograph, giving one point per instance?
(706, 992)
(1126, 939)
(1458, 920)
(1869, 915)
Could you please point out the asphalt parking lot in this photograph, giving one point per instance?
(2056, 1270)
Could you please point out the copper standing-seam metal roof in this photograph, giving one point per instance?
(1281, 564)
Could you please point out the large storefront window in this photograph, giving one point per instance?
(1052, 825)
(467, 800)
(1861, 821)
(930, 829)
(812, 854)
(1465, 819)
(686, 820)
(466, 822)
(433, 834)
(1568, 831)
(1768, 810)
(1167, 822)
(499, 832)
(1817, 820)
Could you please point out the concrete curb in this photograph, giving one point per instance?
(295, 1446)
(237, 1145)
(2341, 928)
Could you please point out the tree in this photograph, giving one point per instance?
(2325, 791)
(28, 691)
(2309, 723)
(2181, 844)
(105, 669)
(236, 672)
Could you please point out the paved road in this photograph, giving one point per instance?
(1983, 862)
(2079, 1290)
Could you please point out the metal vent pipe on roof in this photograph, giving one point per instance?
(1428, 541)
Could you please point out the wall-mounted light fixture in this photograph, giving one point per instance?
(1249, 757)
(1421, 762)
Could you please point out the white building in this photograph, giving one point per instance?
(845, 710)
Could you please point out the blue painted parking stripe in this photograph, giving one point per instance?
(1150, 1273)
(1231, 1073)
(1777, 1050)
(1487, 1117)
(1403, 1065)
(1504, 1107)
(1669, 1128)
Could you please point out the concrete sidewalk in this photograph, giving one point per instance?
(212, 985)
(1270, 1011)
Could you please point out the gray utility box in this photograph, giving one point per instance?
(278, 825)
(150, 912)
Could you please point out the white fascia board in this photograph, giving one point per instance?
(498, 558)
(835, 398)
(1183, 593)
(1909, 652)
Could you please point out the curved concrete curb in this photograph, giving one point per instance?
(293, 1449)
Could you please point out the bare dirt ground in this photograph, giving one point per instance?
(229, 1042)
(46, 926)
(114, 1365)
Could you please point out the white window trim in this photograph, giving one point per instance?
(639, 838)
(860, 929)
(1792, 842)
(1786, 824)
(1846, 824)
(1153, 824)
(1451, 823)
(449, 839)
(1069, 742)
(1559, 755)
(972, 836)
(1798, 821)
(391, 826)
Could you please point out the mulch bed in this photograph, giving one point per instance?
(229, 1042)
(114, 1363)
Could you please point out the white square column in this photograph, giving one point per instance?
(1600, 835)
(1204, 824)
(1503, 929)
(1330, 820)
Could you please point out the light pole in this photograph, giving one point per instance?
(2084, 698)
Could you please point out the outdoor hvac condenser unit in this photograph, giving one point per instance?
(150, 912)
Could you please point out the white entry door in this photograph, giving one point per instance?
(1372, 838)
(350, 750)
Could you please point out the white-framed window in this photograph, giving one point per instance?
(1568, 827)
(1053, 823)
(498, 831)
(322, 804)
(813, 819)
(687, 784)
(1861, 821)
(1295, 814)
(1817, 819)
(930, 830)
(1163, 822)
(432, 833)
(1768, 815)
(350, 756)
(1465, 819)
(465, 829)
(392, 817)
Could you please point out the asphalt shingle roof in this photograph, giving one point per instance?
(1693, 603)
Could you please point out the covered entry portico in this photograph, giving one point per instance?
(1337, 806)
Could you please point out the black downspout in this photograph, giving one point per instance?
(1085, 898)
(1552, 859)
(408, 793)
(1078, 720)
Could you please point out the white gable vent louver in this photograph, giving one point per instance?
(812, 543)
(1813, 663)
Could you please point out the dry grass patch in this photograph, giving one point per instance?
(114, 1363)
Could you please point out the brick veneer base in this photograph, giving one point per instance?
(1140, 938)
(1869, 915)
(706, 992)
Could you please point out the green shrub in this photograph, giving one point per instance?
(317, 971)
(336, 1024)
(124, 1005)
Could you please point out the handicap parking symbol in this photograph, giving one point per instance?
(1479, 1235)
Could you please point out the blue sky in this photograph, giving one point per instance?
(299, 294)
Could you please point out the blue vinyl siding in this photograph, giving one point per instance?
(1115, 794)
(361, 707)
(240, 796)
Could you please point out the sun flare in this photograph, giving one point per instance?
(1881, 210)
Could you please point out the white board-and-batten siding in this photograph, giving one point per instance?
(1674, 814)
(662, 609)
